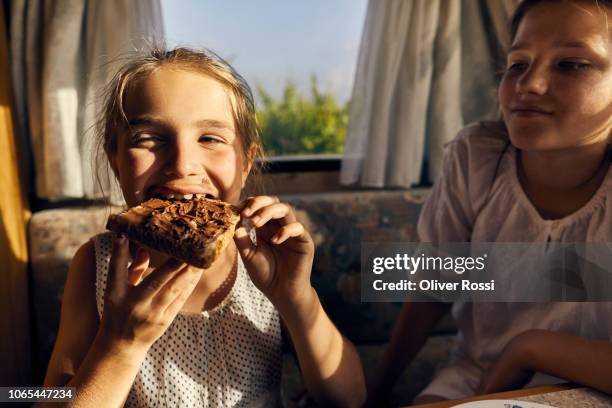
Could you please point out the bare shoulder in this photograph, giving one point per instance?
(84, 260)
(79, 318)
(80, 288)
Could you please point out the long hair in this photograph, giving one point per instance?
(139, 65)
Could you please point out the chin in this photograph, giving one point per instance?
(532, 140)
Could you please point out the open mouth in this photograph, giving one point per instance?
(178, 196)
(183, 194)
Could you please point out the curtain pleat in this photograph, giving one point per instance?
(425, 68)
(14, 214)
(63, 53)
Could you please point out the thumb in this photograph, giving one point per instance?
(117, 268)
(139, 266)
(259, 264)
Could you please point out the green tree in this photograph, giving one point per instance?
(298, 125)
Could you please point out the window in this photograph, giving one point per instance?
(298, 57)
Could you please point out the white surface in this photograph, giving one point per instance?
(501, 404)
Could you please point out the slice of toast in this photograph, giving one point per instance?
(195, 231)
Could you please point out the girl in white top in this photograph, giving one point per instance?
(542, 175)
(141, 329)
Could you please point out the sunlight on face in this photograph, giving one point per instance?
(556, 92)
(181, 138)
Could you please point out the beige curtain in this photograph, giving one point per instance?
(14, 214)
(425, 68)
(62, 54)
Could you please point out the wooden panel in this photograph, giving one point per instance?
(301, 183)
(523, 392)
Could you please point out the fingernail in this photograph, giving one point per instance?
(256, 219)
(121, 238)
(247, 211)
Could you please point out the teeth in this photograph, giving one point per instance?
(181, 196)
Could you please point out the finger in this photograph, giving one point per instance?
(177, 303)
(139, 266)
(117, 268)
(293, 230)
(156, 280)
(280, 212)
(252, 204)
(245, 246)
(175, 307)
(180, 286)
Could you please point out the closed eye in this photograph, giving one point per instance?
(146, 140)
(517, 66)
(211, 139)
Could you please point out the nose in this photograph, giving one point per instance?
(182, 160)
(534, 80)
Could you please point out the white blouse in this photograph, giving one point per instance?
(479, 198)
(229, 356)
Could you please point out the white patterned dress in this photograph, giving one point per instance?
(229, 356)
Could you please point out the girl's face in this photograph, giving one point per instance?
(181, 139)
(557, 89)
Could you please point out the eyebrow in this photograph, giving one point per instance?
(219, 124)
(151, 121)
(574, 44)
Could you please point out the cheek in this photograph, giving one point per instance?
(588, 97)
(586, 107)
(504, 93)
(134, 170)
(598, 99)
(139, 162)
(230, 171)
(222, 166)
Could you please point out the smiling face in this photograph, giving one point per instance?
(556, 92)
(181, 139)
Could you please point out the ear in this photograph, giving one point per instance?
(251, 154)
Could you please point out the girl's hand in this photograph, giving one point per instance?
(136, 314)
(511, 370)
(280, 263)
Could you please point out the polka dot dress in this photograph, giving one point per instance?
(229, 356)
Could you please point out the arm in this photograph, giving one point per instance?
(573, 358)
(280, 265)
(102, 359)
(414, 325)
(330, 365)
(80, 356)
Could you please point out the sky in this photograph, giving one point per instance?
(270, 42)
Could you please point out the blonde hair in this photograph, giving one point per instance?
(112, 117)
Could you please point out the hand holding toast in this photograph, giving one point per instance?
(136, 316)
(280, 262)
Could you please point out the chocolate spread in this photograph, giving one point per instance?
(183, 229)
